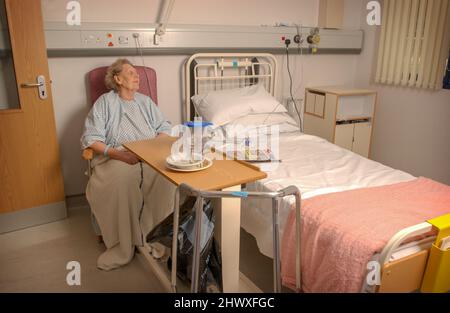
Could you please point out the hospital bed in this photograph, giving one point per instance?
(411, 260)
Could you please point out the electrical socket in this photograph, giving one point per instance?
(298, 39)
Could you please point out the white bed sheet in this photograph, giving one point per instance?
(316, 167)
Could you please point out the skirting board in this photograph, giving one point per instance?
(32, 217)
(76, 201)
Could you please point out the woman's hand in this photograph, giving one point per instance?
(162, 135)
(116, 154)
(124, 156)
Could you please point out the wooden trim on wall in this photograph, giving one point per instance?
(373, 123)
(335, 115)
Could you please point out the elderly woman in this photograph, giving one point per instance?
(120, 186)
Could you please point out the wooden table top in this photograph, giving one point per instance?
(222, 174)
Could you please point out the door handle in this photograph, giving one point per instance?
(30, 85)
(40, 84)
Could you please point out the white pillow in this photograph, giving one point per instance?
(223, 106)
(253, 121)
(263, 102)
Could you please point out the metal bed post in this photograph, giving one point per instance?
(276, 246)
(176, 220)
(186, 189)
(201, 195)
(298, 260)
(197, 243)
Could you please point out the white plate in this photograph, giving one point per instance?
(182, 164)
(206, 164)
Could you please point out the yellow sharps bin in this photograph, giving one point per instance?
(437, 273)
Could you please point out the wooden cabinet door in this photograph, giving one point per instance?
(361, 141)
(30, 170)
(319, 107)
(344, 136)
(310, 102)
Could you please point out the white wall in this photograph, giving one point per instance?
(412, 126)
(225, 12)
(69, 74)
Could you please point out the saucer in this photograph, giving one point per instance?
(203, 165)
(183, 163)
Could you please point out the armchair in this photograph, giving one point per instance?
(96, 87)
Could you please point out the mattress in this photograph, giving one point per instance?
(316, 167)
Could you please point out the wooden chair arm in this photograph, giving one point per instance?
(88, 154)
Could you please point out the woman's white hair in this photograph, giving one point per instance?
(113, 70)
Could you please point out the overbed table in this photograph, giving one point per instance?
(226, 175)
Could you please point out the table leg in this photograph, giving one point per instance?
(227, 232)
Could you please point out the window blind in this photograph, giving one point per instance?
(414, 42)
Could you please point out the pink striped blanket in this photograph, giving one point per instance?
(340, 232)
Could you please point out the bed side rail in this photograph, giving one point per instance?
(427, 270)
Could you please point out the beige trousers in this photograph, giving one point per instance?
(127, 201)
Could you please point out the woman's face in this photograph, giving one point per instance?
(128, 78)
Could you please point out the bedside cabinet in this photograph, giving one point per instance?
(343, 116)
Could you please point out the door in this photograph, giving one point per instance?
(361, 143)
(31, 182)
(310, 102)
(315, 103)
(344, 136)
(319, 105)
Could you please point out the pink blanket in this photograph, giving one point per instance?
(340, 232)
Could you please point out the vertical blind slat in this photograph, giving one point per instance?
(444, 55)
(410, 42)
(418, 37)
(395, 40)
(381, 44)
(432, 44)
(406, 13)
(429, 34)
(436, 74)
(388, 42)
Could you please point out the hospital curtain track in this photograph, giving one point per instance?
(414, 43)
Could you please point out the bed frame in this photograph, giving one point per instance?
(217, 71)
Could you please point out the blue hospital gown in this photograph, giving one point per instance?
(115, 121)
